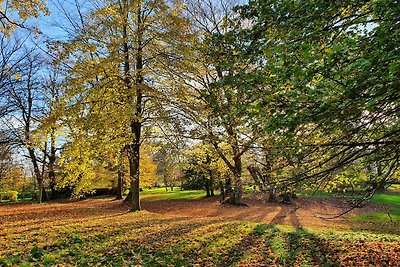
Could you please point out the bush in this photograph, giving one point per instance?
(26, 194)
(9, 195)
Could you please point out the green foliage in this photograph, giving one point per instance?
(326, 84)
(351, 179)
(202, 165)
(36, 252)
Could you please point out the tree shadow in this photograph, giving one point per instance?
(285, 213)
(268, 245)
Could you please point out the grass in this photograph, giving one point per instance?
(386, 198)
(389, 198)
(390, 216)
(161, 194)
(18, 200)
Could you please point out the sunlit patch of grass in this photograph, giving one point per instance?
(386, 198)
(162, 194)
(390, 216)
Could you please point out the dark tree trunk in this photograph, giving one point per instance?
(212, 186)
(221, 187)
(38, 176)
(211, 183)
(207, 187)
(52, 160)
(137, 101)
(134, 159)
(120, 184)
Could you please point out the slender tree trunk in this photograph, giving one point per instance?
(37, 173)
(52, 160)
(165, 183)
(120, 184)
(207, 186)
(211, 183)
(221, 186)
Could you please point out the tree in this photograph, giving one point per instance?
(333, 77)
(211, 78)
(10, 57)
(23, 95)
(13, 14)
(148, 169)
(120, 55)
(5, 162)
(204, 168)
(167, 161)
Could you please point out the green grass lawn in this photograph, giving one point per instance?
(390, 216)
(159, 193)
(387, 198)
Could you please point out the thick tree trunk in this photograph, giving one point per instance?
(237, 182)
(134, 160)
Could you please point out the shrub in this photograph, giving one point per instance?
(9, 195)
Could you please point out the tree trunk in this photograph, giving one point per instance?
(211, 184)
(221, 186)
(120, 184)
(37, 173)
(52, 160)
(237, 182)
(134, 160)
(137, 100)
(207, 187)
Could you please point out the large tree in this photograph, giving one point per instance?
(214, 97)
(116, 82)
(333, 70)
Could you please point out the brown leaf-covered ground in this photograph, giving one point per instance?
(198, 232)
